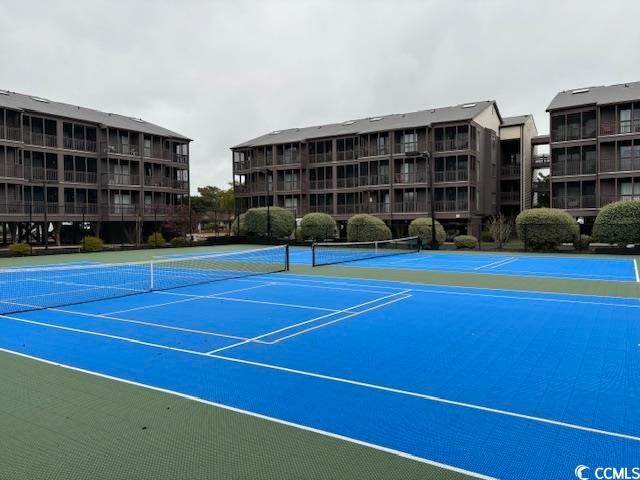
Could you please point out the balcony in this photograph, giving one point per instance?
(510, 171)
(321, 208)
(80, 177)
(451, 144)
(320, 157)
(11, 133)
(623, 164)
(80, 209)
(11, 170)
(618, 127)
(79, 144)
(347, 182)
(348, 154)
(451, 176)
(157, 181)
(541, 161)
(288, 159)
(571, 167)
(452, 205)
(120, 179)
(41, 174)
(574, 201)
(409, 147)
(120, 209)
(510, 197)
(376, 150)
(411, 177)
(607, 199)
(240, 166)
(288, 185)
(41, 139)
(321, 184)
(378, 179)
(119, 149)
(410, 207)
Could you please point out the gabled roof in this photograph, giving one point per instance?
(600, 95)
(422, 118)
(27, 103)
(513, 121)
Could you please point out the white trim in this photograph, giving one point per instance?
(347, 381)
(635, 268)
(306, 322)
(496, 263)
(256, 415)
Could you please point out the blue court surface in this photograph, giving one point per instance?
(585, 268)
(500, 384)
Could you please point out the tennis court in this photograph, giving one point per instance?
(558, 266)
(491, 383)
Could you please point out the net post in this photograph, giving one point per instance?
(313, 254)
(151, 275)
(286, 255)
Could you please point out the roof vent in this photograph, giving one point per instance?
(275, 132)
(433, 110)
(40, 99)
(350, 122)
(4, 92)
(139, 120)
(579, 90)
(375, 119)
(468, 105)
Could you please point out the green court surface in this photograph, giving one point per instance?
(59, 423)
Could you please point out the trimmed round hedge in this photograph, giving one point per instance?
(582, 243)
(92, 244)
(367, 228)
(156, 240)
(20, 249)
(281, 222)
(421, 227)
(618, 223)
(465, 241)
(179, 242)
(546, 228)
(317, 226)
(242, 230)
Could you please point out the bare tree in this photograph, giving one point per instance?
(501, 228)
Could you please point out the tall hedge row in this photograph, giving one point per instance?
(280, 225)
(367, 228)
(618, 223)
(546, 228)
(421, 227)
(317, 226)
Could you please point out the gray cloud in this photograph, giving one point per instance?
(222, 72)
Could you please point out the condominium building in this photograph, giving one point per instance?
(595, 148)
(480, 165)
(65, 170)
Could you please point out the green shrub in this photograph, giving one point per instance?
(317, 226)
(281, 222)
(20, 249)
(92, 244)
(421, 227)
(465, 241)
(546, 228)
(582, 243)
(367, 228)
(179, 242)
(618, 223)
(239, 226)
(156, 240)
(486, 237)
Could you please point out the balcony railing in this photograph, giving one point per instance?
(321, 208)
(607, 199)
(451, 176)
(621, 164)
(288, 159)
(80, 177)
(321, 184)
(348, 154)
(571, 167)
(41, 173)
(11, 170)
(541, 161)
(510, 197)
(120, 209)
(289, 186)
(242, 165)
(415, 206)
(79, 144)
(451, 205)
(451, 144)
(121, 179)
(510, 170)
(543, 186)
(408, 147)
(619, 127)
(347, 182)
(574, 201)
(11, 133)
(320, 157)
(81, 209)
(119, 149)
(410, 177)
(375, 150)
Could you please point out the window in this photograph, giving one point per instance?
(589, 124)
(558, 131)
(625, 120)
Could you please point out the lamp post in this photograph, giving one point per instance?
(427, 156)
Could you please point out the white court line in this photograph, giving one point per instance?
(346, 317)
(635, 267)
(245, 300)
(436, 290)
(306, 322)
(256, 415)
(346, 381)
(103, 316)
(491, 265)
(190, 299)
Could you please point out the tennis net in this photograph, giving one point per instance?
(29, 289)
(331, 253)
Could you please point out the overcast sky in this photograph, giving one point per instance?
(222, 72)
